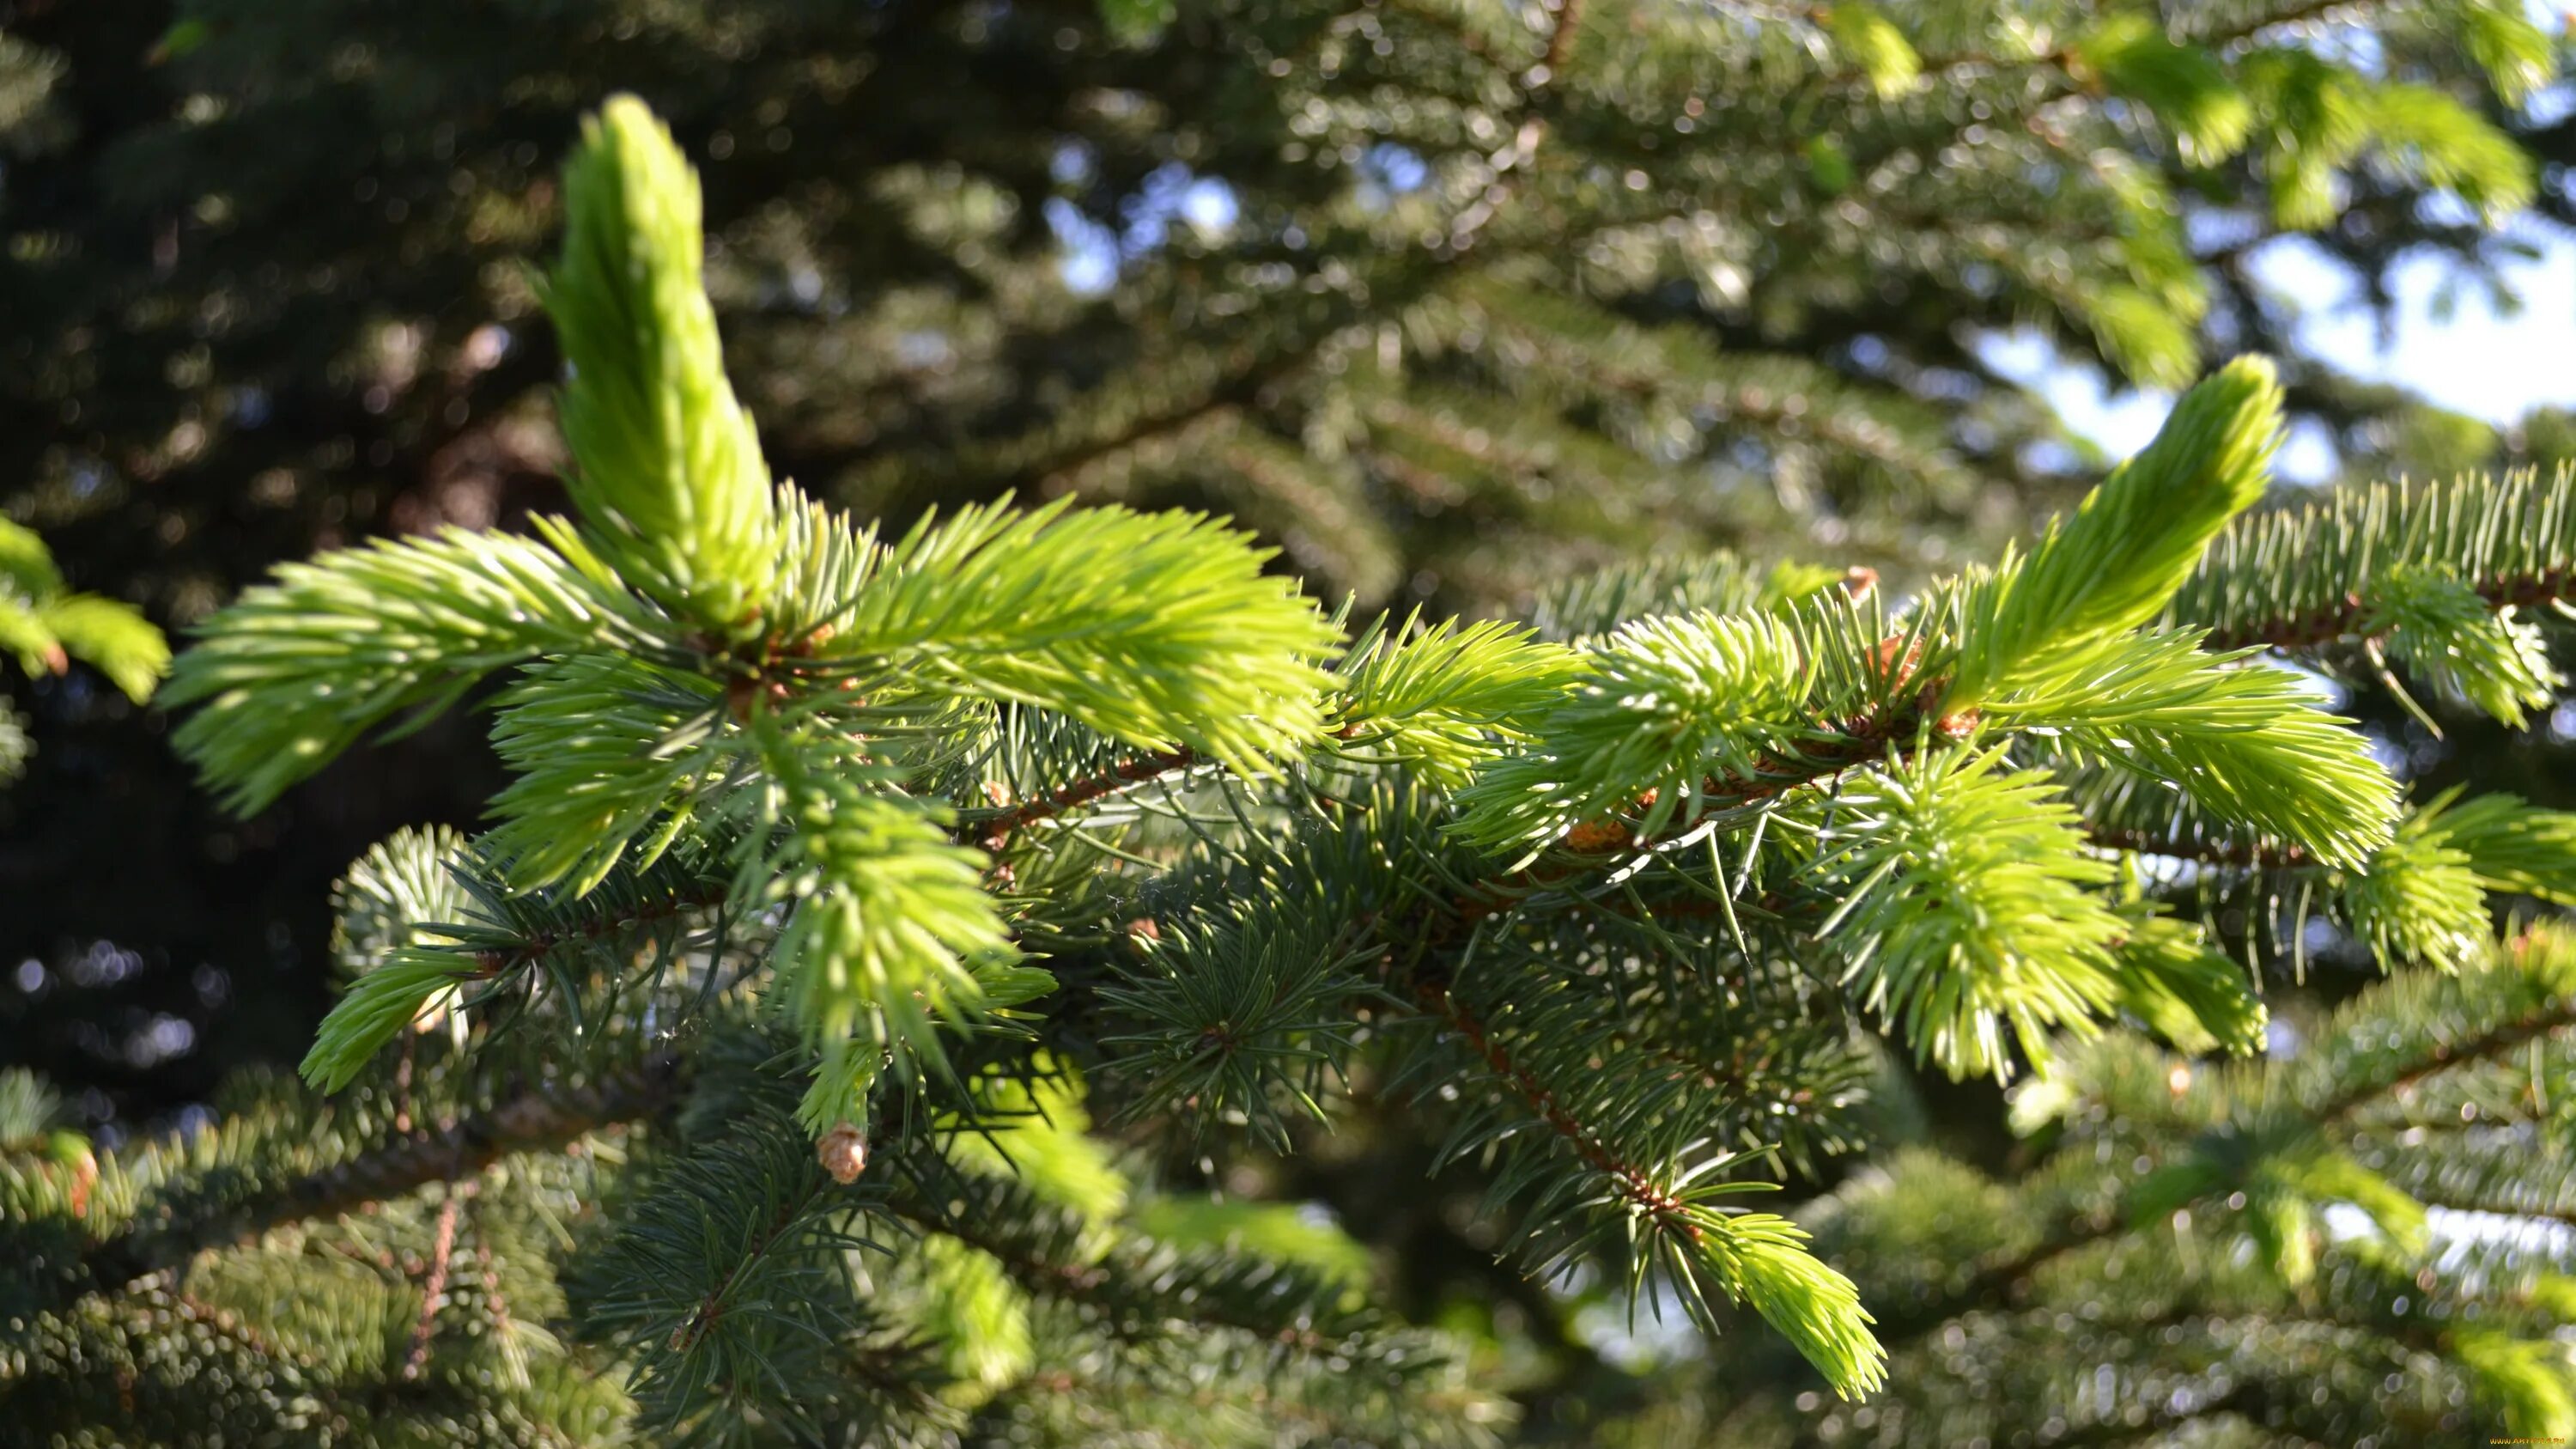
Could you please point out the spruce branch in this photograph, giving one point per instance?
(2534, 990)
(2117, 563)
(536, 1119)
(2324, 575)
(393, 627)
(1631, 1182)
(1662, 1218)
(46, 625)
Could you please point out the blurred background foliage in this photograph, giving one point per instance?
(1445, 299)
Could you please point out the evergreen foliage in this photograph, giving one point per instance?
(738, 1086)
(1439, 299)
(46, 626)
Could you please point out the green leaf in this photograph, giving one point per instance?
(667, 470)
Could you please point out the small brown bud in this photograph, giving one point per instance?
(1900, 669)
(1594, 836)
(843, 1151)
(998, 793)
(1143, 929)
(1860, 580)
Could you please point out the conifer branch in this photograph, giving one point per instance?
(1630, 1181)
(2419, 567)
(2005, 1280)
(537, 1119)
(2350, 620)
(2486, 1045)
(1100, 1283)
(995, 832)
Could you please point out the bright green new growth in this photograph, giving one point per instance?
(2247, 742)
(1971, 911)
(393, 626)
(47, 626)
(1875, 45)
(1437, 698)
(2116, 564)
(703, 648)
(1671, 703)
(889, 921)
(667, 470)
(2186, 993)
(1101, 765)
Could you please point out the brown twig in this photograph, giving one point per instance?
(1632, 1182)
(1560, 40)
(433, 1287)
(996, 832)
(2214, 852)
